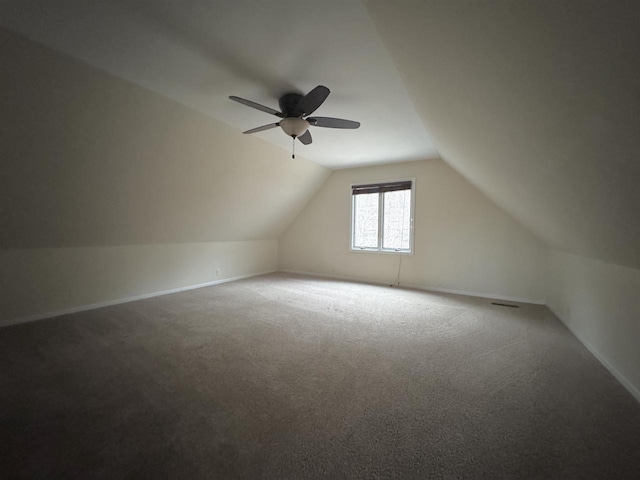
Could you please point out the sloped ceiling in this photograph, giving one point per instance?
(89, 159)
(538, 104)
(200, 52)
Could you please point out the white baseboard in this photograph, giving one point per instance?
(420, 287)
(82, 308)
(631, 388)
(505, 298)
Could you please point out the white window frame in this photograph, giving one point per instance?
(379, 248)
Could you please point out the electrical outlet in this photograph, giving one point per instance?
(218, 272)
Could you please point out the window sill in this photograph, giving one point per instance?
(385, 252)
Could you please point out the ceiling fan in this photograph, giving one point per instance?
(294, 112)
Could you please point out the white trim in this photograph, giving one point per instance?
(108, 303)
(493, 296)
(631, 388)
(412, 217)
(388, 251)
(420, 287)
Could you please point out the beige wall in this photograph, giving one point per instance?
(463, 241)
(37, 282)
(600, 303)
(108, 190)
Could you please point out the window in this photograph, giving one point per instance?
(382, 217)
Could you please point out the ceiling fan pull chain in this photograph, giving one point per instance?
(293, 154)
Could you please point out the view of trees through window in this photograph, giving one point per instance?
(395, 221)
(366, 220)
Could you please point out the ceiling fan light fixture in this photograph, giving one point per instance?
(293, 126)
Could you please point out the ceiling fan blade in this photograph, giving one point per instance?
(264, 127)
(306, 138)
(312, 100)
(329, 122)
(257, 106)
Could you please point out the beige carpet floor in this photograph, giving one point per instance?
(290, 377)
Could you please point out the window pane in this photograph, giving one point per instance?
(397, 219)
(365, 220)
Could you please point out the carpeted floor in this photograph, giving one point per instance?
(285, 376)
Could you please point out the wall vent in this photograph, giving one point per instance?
(504, 305)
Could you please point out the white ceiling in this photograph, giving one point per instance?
(200, 52)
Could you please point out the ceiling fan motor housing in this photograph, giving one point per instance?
(288, 104)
